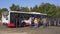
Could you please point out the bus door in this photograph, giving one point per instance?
(16, 20)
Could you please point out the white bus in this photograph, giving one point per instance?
(14, 18)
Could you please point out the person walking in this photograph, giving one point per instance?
(31, 21)
(44, 20)
(39, 23)
(36, 22)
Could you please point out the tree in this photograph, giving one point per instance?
(34, 9)
(2, 10)
(26, 9)
(58, 11)
(48, 8)
(42, 8)
(31, 9)
(52, 11)
(15, 7)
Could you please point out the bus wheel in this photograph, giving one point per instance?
(23, 24)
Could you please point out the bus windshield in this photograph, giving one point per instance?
(5, 14)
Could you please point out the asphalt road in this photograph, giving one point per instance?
(28, 30)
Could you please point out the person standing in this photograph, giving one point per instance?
(44, 20)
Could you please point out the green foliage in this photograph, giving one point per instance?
(58, 11)
(47, 8)
(52, 11)
(26, 9)
(15, 7)
(35, 9)
(2, 10)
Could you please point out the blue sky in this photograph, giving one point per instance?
(26, 3)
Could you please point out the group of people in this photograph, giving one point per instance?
(37, 21)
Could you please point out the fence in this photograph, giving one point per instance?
(53, 21)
